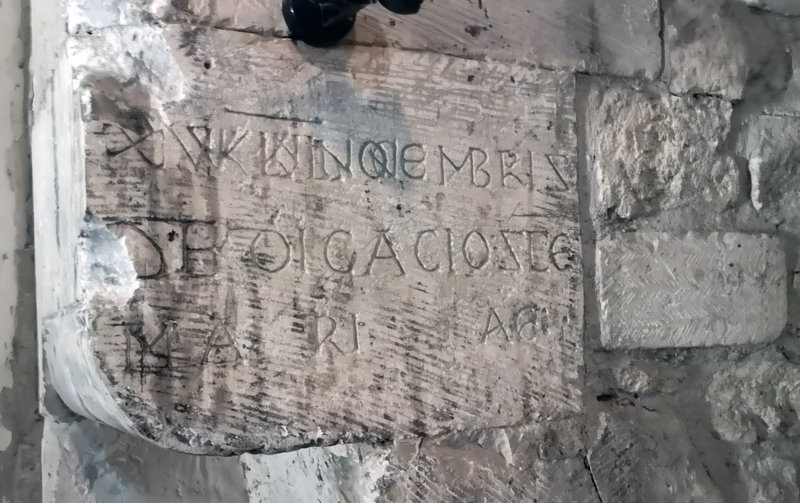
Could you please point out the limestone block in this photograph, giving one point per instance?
(716, 46)
(592, 35)
(771, 146)
(755, 400)
(650, 152)
(661, 290)
(318, 246)
(490, 466)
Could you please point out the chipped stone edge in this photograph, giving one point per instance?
(107, 276)
(64, 261)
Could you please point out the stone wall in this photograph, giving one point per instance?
(687, 176)
(20, 426)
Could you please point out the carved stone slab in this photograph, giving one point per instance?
(338, 245)
(661, 290)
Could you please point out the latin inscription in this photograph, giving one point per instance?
(432, 251)
(253, 154)
(337, 246)
(436, 251)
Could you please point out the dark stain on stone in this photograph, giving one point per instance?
(606, 397)
(473, 29)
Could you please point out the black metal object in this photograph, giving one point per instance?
(323, 23)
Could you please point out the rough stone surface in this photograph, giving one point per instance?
(650, 152)
(756, 400)
(782, 7)
(336, 255)
(644, 456)
(148, 133)
(593, 35)
(351, 473)
(541, 462)
(717, 46)
(20, 429)
(89, 463)
(770, 477)
(663, 290)
(771, 146)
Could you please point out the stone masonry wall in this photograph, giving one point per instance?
(688, 175)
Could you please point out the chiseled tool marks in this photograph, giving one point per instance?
(664, 290)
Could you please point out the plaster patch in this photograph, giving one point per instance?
(129, 53)
(109, 280)
(92, 14)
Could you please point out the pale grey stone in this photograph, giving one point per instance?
(717, 46)
(646, 456)
(663, 290)
(770, 478)
(306, 239)
(755, 400)
(620, 37)
(650, 152)
(502, 465)
(454, 472)
(84, 462)
(20, 430)
(351, 473)
(782, 7)
(771, 146)
(786, 102)
(631, 379)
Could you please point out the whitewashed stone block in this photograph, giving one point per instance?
(327, 245)
(660, 290)
(650, 152)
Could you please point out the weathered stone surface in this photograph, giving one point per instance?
(663, 290)
(755, 400)
(769, 477)
(782, 7)
(651, 152)
(716, 46)
(499, 465)
(334, 245)
(593, 35)
(350, 473)
(20, 428)
(631, 379)
(771, 146)
(86, 462)
(647, 456)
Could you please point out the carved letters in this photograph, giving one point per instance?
(209, 151)
(332, 246)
